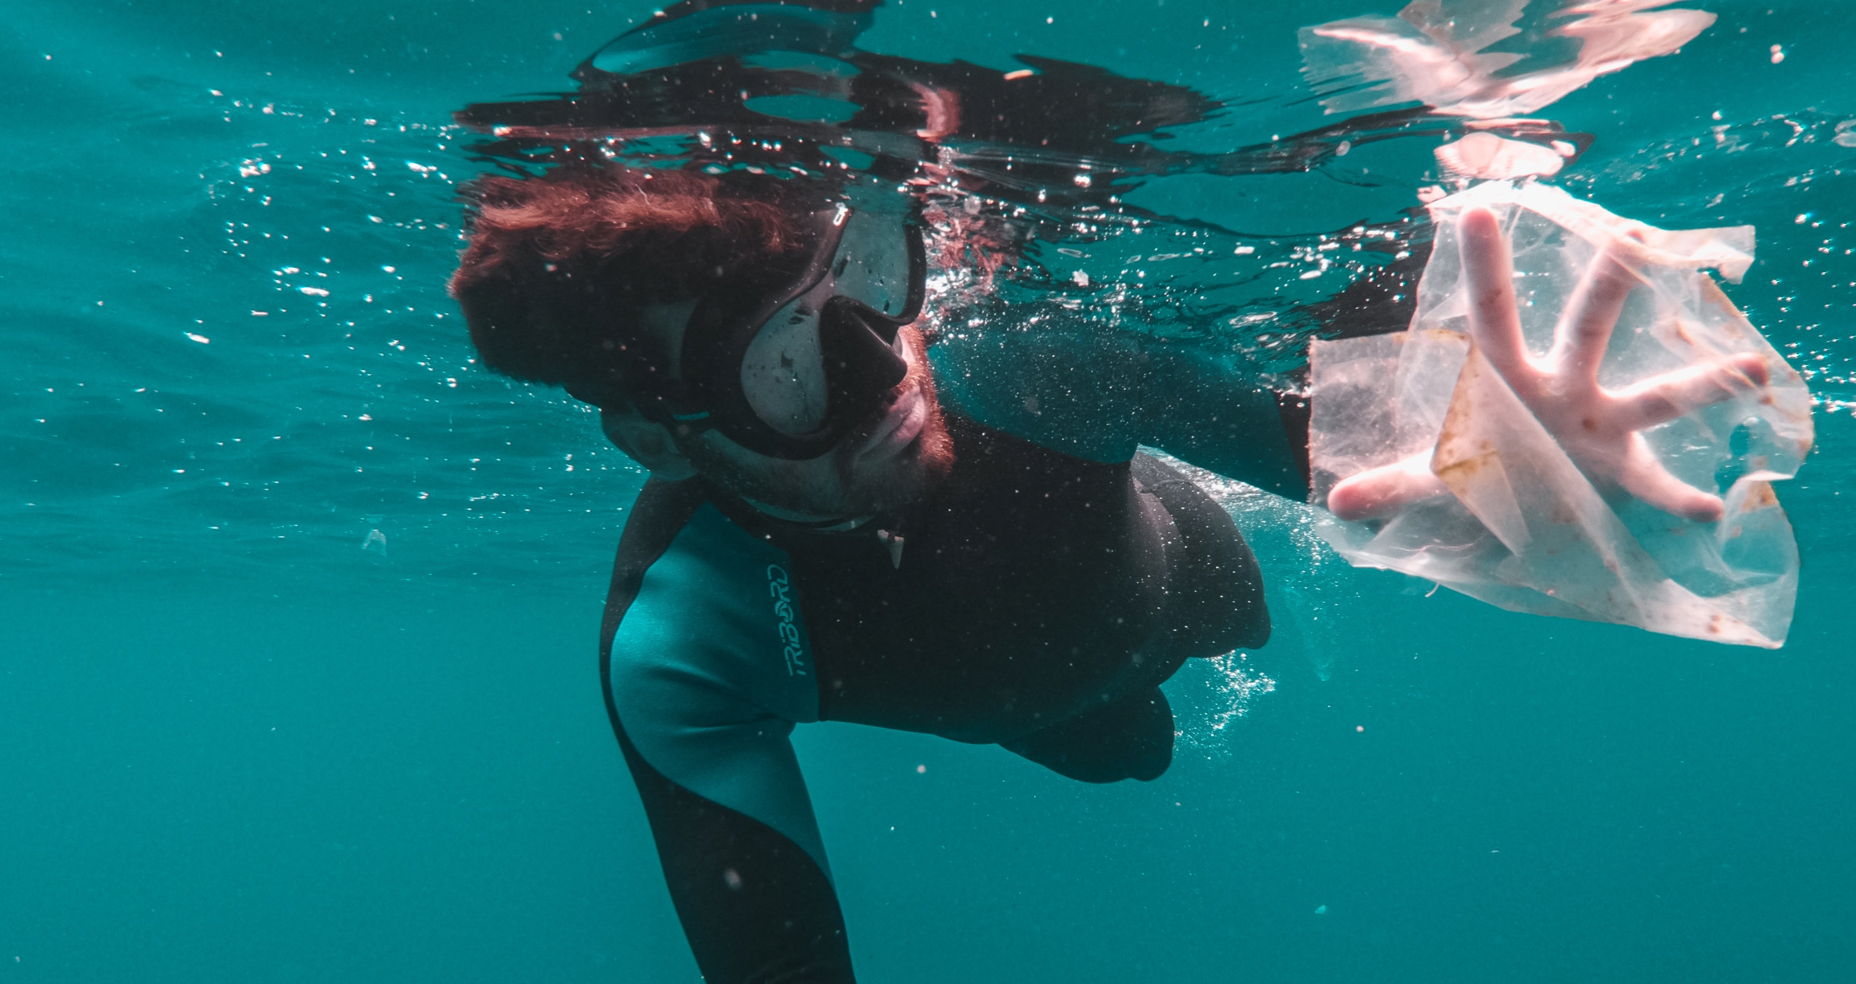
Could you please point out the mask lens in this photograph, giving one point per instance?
(783, 374)
(873, 264)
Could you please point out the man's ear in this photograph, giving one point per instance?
(647, 443)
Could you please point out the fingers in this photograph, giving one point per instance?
(1387, 489)
(1663, 398)
(1591, 313)
(1494, 320)
(1646, 478)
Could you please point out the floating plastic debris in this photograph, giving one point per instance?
(1523, 527)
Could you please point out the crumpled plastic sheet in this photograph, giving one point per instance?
(1523, 528)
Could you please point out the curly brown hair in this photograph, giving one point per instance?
(559, 264)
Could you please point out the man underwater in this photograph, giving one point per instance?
(821, 539)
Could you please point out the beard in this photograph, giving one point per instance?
(844, 482)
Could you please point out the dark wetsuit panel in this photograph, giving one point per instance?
(1031, 586)
(1038, 602)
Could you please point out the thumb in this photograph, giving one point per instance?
(1387, 489)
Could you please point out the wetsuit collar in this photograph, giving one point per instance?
(798, 521)
(757, 518)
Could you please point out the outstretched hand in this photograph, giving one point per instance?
(1597, 427)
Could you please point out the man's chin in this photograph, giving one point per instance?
(906, 477)
(846, 485)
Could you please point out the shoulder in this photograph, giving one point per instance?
(985, 452)
(708, 565)
(1069, 387)
(716, 614)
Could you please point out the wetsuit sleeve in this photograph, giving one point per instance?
(1098, 393)
(705, 672)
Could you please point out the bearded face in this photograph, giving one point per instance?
(891, 459)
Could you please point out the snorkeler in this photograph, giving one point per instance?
(821, 539)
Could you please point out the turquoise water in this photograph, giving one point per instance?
(243, 737)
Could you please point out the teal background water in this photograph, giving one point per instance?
(241, 740)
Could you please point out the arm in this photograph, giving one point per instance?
(1098, 393)
(754, 905)
(702, 700)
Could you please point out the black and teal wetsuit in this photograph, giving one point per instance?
(1036, 600)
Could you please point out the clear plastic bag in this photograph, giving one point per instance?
(1523, 527)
